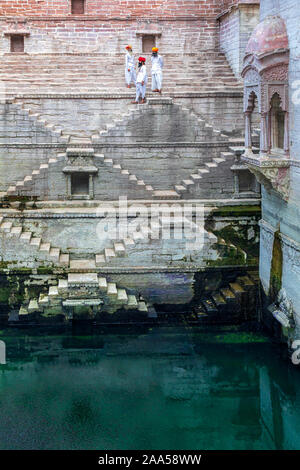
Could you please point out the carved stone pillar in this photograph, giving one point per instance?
(264, 133)
(286, 145)
(248, 137)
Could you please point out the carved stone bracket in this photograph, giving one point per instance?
(271, 173)
(282, 310)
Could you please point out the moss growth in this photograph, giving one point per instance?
(45, 270)
(241, 338)
(4, 294)
(239, 238)
(237, 211)
(276, 268)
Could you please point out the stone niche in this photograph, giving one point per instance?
(80, 172)
(265, 76)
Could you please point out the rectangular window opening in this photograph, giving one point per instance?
(148, 42)
(246, 181)
(17, 43)
(77, 7)
(80, 184)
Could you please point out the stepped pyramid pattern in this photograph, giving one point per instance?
(76, 142)
(86, 292)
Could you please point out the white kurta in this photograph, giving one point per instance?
(141, 78)
(130, 75)
(157, 75)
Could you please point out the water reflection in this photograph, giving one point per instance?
(160, 389)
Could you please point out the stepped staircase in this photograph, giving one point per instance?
(231, 300)
(101, 73)
(25, 187)
(152, 230)
(88, 291)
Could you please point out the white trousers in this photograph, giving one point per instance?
(157, 79)
(130, 77)
(140, 91)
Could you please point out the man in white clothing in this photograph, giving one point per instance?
(141, 82)
(130, 75)
(157, 67)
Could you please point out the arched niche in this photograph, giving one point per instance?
(265, 75)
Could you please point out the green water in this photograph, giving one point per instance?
(172, 388)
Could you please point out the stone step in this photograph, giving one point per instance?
(54, 253)
(122, 295)
(236, 288)
(36, 242)
(16, 231)
(128, 242)
(142, 307)
(103, 284)
(159, 194)
(33, 306)
(180, 188)
(89, 279)
(43, 300)
(64, 259)
(53, 292)
(228, 294)
(23, 311)
(254, 275)
(26, 237)
(109, 253)
(209, 306)
(218, 300)
(6, 226)
(62, 285)
(100, 260)
(119, 249)
(45, 247)
(112, 289)
(246, 282)
(132, 301)
(188, 183)
(82, 264)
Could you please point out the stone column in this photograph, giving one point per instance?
(264, 134)
(91, 187)
(248, 137)
(286, 144)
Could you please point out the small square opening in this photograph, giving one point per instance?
(17, 43)
(77, 7)
(148, 42)
(246, 181)
(80, 184)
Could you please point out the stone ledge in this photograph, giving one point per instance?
(272, 173)
(284, 238)
(82, 302)
(80, 169)
(90, 208)
(119, 145)
(190, 269)
(123, 95)
(86, 18)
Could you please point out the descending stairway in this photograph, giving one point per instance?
(17, 231)
(85, 290)
(236, 298)
(80, 73)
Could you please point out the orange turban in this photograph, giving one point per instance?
(154, 49)
(128, 47)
